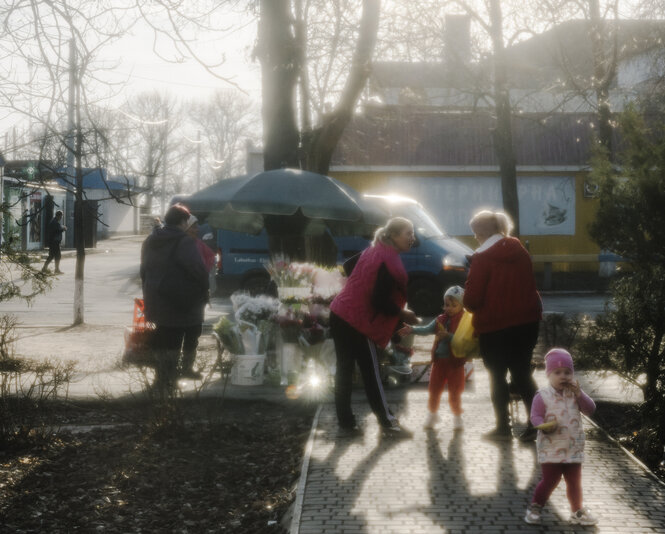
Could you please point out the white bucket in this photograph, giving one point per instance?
(247, 369)
(290, 361)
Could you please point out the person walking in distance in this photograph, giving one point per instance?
(54, 232)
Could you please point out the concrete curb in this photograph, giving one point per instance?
(302, 481)
(630, 455)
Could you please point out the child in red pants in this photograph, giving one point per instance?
(446, 368)
(560, 444)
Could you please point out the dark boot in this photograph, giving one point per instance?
(502, 431)
(530, 433)
(187, 370)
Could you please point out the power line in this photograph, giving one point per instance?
(193, 141)
(139, 120)
(169, 82)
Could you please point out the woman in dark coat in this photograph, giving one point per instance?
(175, 290)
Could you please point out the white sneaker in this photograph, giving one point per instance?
(532, 515)
(458, 423)
(432, 420)
(583, 517)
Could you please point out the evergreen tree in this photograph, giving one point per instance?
(630, 336)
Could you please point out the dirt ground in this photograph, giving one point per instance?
(234, 470)
(205, 465)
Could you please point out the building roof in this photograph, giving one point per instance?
(29, 169)
(410, 137)
(98, 179)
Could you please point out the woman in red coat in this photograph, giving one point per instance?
(501, 293)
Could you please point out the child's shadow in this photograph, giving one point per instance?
(502, 504)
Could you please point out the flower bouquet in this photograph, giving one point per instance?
(326, 284)
(289, 274)
(229, 334)
(289, 321)
(252, 328)
(248, 336)
(293, 280)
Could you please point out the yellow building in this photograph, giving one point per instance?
(446, 161)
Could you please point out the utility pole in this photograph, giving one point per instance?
(70, 174)
(164, 159)
(198, 160)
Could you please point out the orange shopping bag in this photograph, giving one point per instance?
(138, 339)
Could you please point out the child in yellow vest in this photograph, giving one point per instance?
(446, 367)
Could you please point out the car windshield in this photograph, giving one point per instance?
(424, 225)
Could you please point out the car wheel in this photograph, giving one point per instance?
(259, 285)
(424, 297)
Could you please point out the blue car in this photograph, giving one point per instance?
(435, 262)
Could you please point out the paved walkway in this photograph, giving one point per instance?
(441, 481)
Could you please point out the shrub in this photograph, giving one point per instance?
(26, 389)
(630, 336)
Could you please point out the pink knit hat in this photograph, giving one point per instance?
(556, 358)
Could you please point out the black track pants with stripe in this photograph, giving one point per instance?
(353, 347)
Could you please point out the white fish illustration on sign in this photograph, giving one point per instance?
(554, 215)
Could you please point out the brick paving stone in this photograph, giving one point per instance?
(445, 482)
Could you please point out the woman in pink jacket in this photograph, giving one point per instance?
(501, 293)
(364, 316)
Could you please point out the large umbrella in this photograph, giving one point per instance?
(286, 201)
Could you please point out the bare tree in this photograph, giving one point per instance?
(301, 128)
(225, 123)
(153, 118)
(341, 83)
(284, 53)
(60, 41)
(596, 78)
(488, 17)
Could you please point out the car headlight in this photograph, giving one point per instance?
(454, 262)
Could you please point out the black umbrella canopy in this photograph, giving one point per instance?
(280, 198)
(218, 194)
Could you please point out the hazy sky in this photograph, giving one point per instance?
(131, 66)
(146, 71)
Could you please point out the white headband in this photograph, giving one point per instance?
(191, 221)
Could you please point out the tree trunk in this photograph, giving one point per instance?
(277, 51)
(604, 66)
(503, 132)
(79, 240)
(320, 143)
